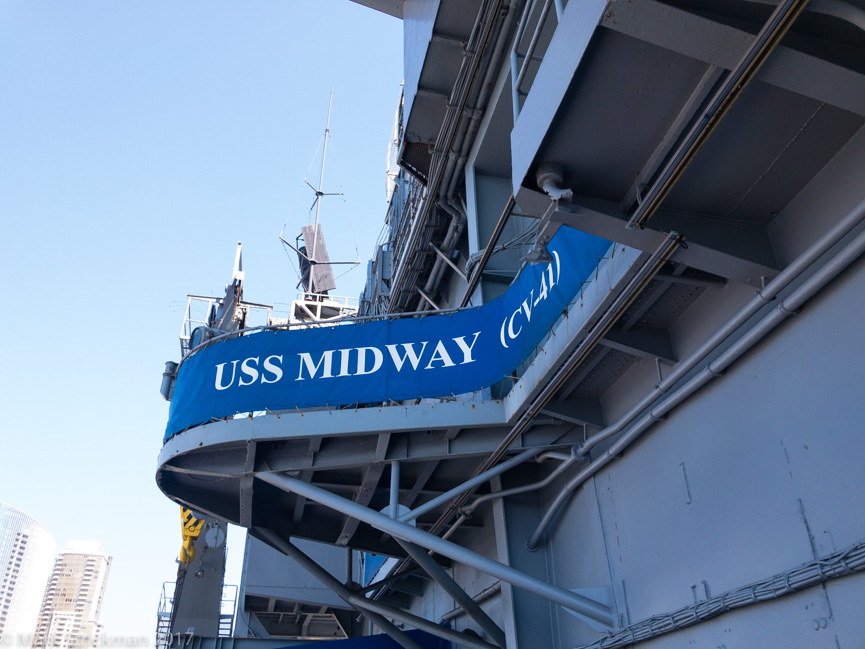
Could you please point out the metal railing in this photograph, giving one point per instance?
(191, 322)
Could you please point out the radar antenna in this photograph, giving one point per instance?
(316, 267)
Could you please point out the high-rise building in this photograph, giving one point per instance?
(26, 551)
(73, 596)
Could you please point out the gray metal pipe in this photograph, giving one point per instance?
(371, 608)
(762, 298)
(530, 50)
(843, 10)
(468, 509)
(452, 588)
(849, 561)
(459, 154)
(583, 605)
(491, 73)
(482, 30)
(470, 484)
(455, 229)
(784, 310)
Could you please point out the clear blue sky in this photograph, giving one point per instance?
(139, 141)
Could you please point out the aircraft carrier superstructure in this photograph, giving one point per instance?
(605, 387)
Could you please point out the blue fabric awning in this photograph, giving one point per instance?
(381, 641)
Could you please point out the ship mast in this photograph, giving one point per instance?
(316, 272)
(318, 192)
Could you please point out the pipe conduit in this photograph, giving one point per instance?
(563, 466)
(459, 154)
(455, 231)
(789, 306)
(442, 163)
(475, 277)
(762, 298)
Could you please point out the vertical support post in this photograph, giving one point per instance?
(515, 89)
(393, 509)
(348, 566)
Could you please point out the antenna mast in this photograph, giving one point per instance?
(319, 191)
(315, 263)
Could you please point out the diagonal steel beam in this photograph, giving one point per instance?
(366, 491)
(371, 608)
(573, 601)
(452, 588)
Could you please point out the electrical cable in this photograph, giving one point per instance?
(850, 560)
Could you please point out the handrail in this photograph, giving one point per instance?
(308, 325)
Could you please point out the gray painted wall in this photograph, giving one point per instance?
(269, 573)
(759, 473)
(418, 20)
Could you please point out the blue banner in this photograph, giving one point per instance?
(381, 641)
(368, 362)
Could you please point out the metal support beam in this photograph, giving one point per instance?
(645, 342)
(578, 410)
(452, 588)
(738, 251)
(246, 482)
(366, 490)
(406, 532)
(470, 484)
(393, 502)
(300, 503)
(475, 279)
(693, 278)
(409, 497)
(717, 44)
(419, 483)
(412, 572)
(369, 607)
(762, 45)
(427, 298)
(448, 261)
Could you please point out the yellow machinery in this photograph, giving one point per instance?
(190, 529)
